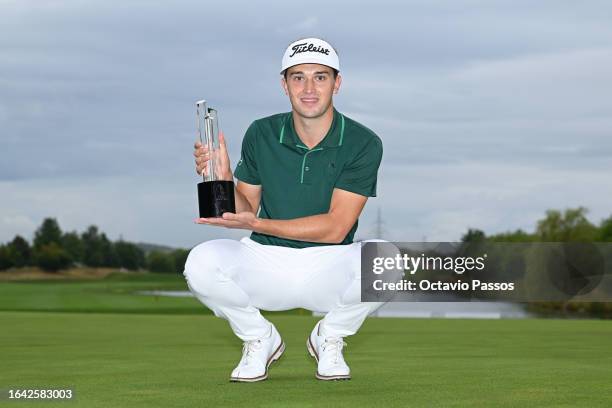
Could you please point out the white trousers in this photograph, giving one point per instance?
(235, 279)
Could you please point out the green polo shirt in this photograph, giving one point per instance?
(297, 181)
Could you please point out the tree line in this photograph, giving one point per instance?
(570, 225)
(53, 250)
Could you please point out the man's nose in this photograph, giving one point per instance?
(309, 86)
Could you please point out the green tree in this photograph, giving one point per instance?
(51, 257)
(516, 236)
(48, 232)
(7, 258)
(160, 262)
(569, 226)
(129, 255)
(21, 251)
(97, 249)
(179, 257)
(71, 242)
(605, 230)
(473, 235)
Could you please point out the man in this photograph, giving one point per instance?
(303, 180)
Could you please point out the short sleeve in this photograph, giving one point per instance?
(360, 174)
(246, 169)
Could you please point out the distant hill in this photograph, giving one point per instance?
(146, 247)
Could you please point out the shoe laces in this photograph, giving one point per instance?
(336, 344)
(248, 348)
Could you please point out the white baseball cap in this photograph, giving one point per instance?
(310, 51)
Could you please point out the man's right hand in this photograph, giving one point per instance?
(202, 159)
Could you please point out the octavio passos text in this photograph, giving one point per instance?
(411, 264)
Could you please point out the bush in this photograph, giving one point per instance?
(571, 309)
(160, 262)
(180, 257)
(51, 257)
(7, 258)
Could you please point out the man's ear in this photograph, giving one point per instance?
(284, 85)
(337, 83)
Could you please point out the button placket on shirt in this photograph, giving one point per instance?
(305, 169)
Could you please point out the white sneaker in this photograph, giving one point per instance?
(327, 351)
(257, 355)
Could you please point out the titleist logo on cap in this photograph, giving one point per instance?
(305, 47)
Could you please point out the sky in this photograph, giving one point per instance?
(490, 112)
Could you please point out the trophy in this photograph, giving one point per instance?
(214, 196)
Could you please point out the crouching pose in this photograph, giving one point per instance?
(303, 179)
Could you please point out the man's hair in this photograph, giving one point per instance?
(333, 69)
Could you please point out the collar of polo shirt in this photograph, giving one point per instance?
(334, 137)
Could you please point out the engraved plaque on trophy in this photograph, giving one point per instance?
(214, 196)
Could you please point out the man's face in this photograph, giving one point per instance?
(310, 88)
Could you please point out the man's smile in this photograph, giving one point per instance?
(309, 100)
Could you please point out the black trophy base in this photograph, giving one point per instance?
(215, 198)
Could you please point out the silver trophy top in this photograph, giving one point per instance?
(208, 132)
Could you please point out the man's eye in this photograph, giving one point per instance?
(321, 78)
(297, 78)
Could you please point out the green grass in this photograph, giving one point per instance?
(114, 294)
(131, 360)
(117, 348)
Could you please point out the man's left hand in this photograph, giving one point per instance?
(242, 220)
